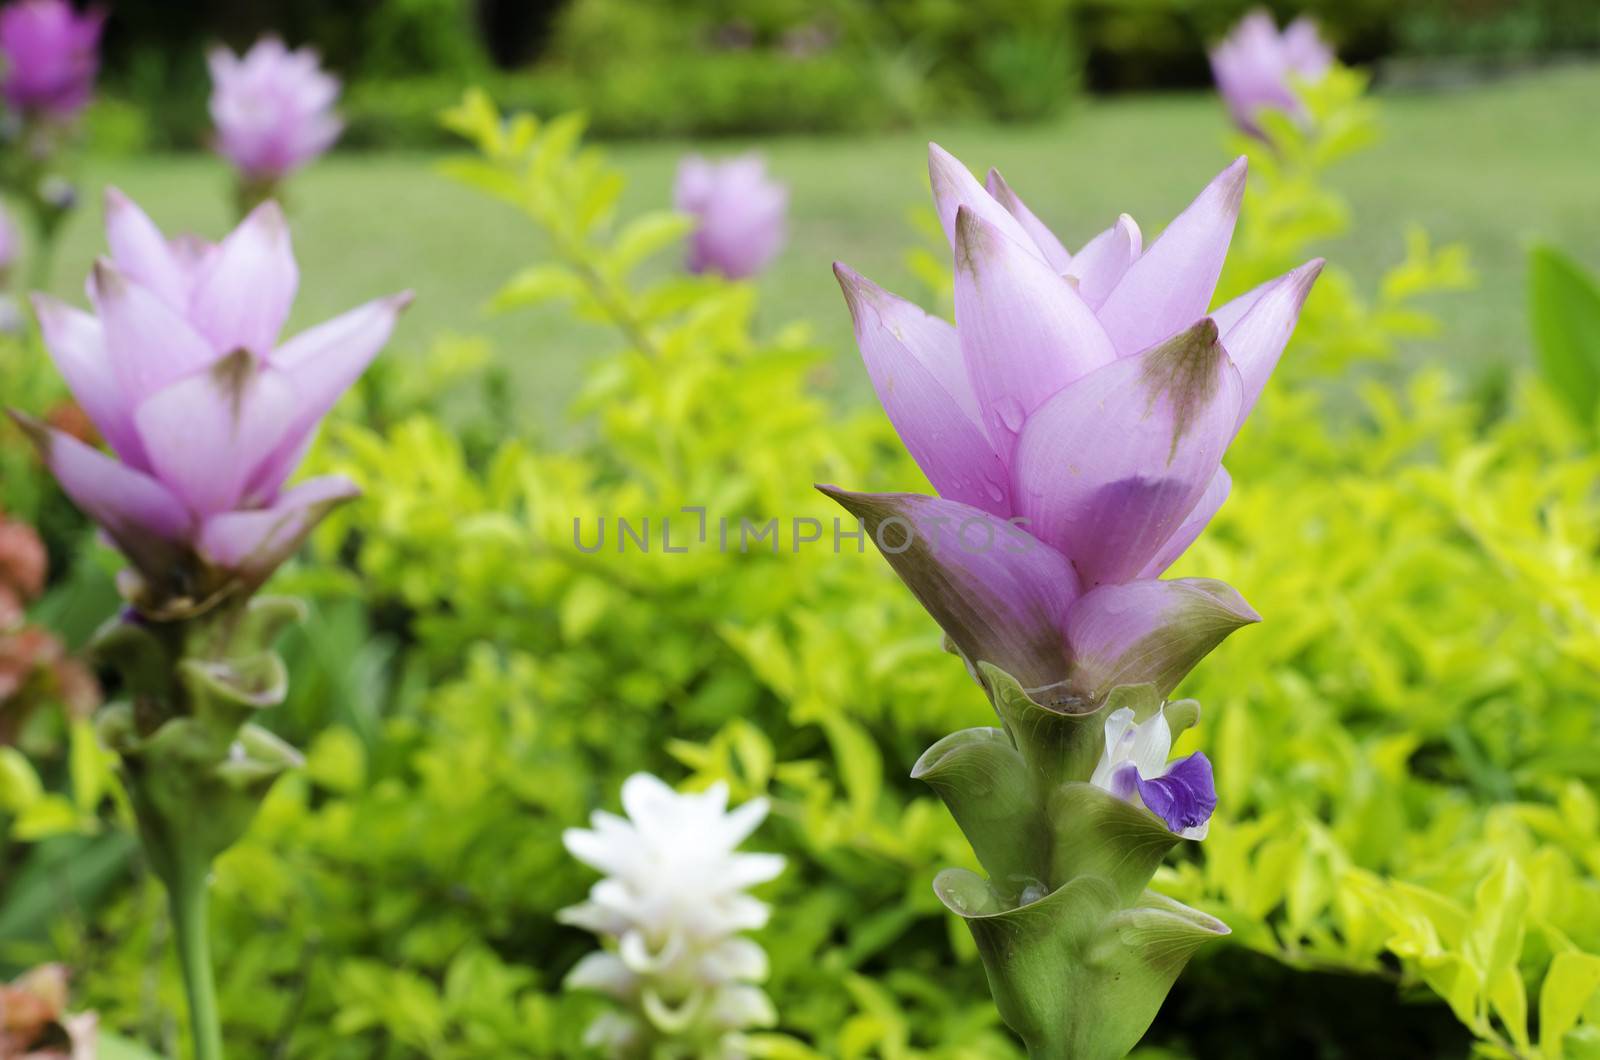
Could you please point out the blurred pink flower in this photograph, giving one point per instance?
(273, 108)
(33, 1020)
(50, 54)
(741, 214)
(182, 370)
(1255, 66)
(23, 566)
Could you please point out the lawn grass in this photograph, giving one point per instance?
(1496, 166)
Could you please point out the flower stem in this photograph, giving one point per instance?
(187, 893)
(41, 268)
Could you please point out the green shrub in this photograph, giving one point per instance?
(710, 94)
(1403, 748)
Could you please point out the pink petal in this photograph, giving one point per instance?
(1257, 338)
(1149, 632)
(138, 513)
(243, 298)
(954, 186)
(998, 592)
(77, 344)
(320, 364)
(1171, 284)
(914, 361)
(1198, 519)
(1105, 260)
(207, 434)
(1055, 255)
(1025, 333)
(1107, 469)
(256, 543)
(142, 253)
(149, 343)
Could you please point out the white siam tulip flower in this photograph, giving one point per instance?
(671, 908)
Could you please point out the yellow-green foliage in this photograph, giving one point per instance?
(1404, 751)
(1402, 748)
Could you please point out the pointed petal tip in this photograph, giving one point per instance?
(855, 287)
(37, 432)
(970, 230)
(1229, 599)
(857, 502)
(339, 488)
(849, 279)
(269, 214)
(1231, 181)
(942, 165)
(44, 305)
(1247, 615)
(106, 278)
(402, 301)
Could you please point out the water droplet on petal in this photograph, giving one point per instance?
(1010, 412)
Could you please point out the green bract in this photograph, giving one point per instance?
(1079, 954)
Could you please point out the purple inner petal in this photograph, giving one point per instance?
(1185, 797)
(1125, 780)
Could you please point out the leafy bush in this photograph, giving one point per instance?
(1402, 749)
(721, 93)
(1508, 29)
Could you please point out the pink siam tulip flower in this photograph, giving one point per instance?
(50, 55)
(1073, 422)
(208, 412)
(273, 109)
(1256, 66)
(741, 214)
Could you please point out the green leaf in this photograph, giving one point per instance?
(67, 873)
(476, 119)
(754, 751)
(535, 285)
(338, 760)
(486, 177)
(1564, 303)
(1509, 997)
(1572, 980)
(19, 784)
(89, 765)
(1494, 942)
(645, 236)
(50, 815)
(115, 1047)
(860, 763)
